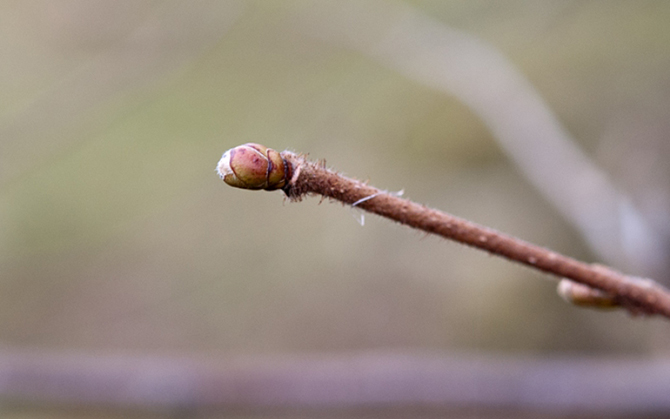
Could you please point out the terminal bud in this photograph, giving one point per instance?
(253, 166)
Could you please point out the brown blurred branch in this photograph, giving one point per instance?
(639, 295)
(364, 380)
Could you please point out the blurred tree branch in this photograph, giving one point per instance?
(456, 63)
(380, 380)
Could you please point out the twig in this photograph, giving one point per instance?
(252, 166)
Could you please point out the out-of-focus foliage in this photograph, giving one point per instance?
(116, 234)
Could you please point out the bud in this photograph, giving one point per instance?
(253, 166)
(585, 296)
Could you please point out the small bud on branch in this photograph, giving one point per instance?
(252, 166)
(584, 296)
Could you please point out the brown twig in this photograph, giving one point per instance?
(247, 167)
(637, 294)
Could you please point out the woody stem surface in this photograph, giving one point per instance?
(637, 294)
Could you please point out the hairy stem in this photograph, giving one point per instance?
(639, 295)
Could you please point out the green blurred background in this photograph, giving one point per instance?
(116, 235)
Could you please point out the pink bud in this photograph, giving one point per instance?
(253, 166)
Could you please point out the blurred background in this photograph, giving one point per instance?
(548, 120)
